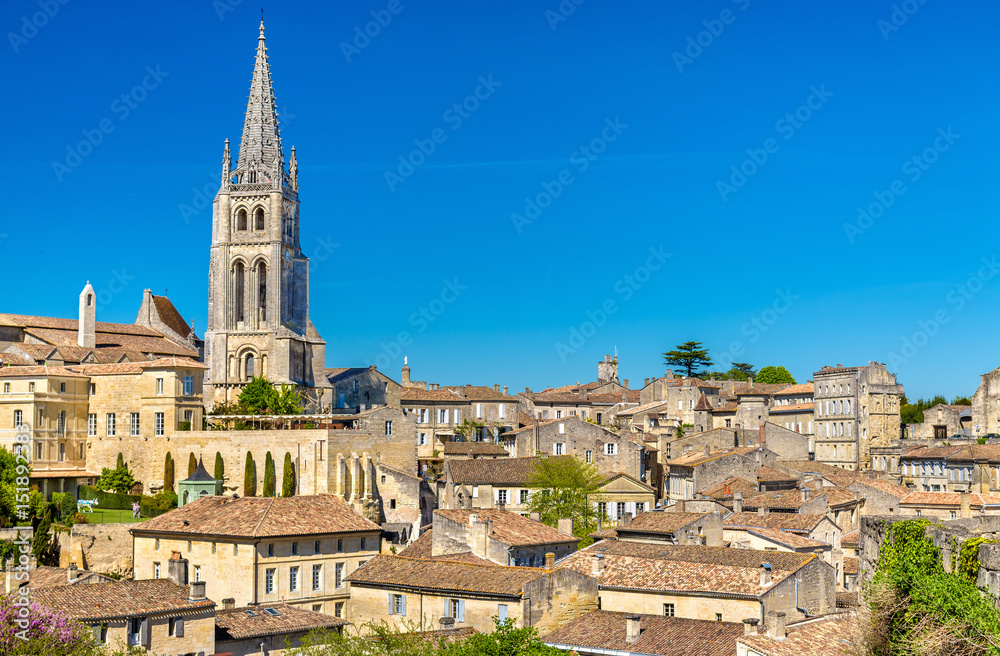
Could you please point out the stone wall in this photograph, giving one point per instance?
(102, 548)
(557, 598)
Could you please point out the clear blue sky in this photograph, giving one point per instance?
(856, 295)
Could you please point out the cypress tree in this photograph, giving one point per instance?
(192, 464)
(288, 477)
(268, 476)
(168, 473)
(250, 477)
(41, 543)
(220, 467)
(121, 461)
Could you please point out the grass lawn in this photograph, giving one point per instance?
(111, 517)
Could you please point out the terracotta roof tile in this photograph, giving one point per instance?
(797, 390)
(795, 407)
(786, 538)
(851, 540)
(829, 636)
(851, 565)
(474, 448)
(698, 457)
(251, 517)
(254, 621)
(661, 522)
(50, 577)
(495, 471)
(421, 547)
(447, 575)
(771, 474)
(119, 599)
(481, 393)
(40, 370)
(416, 394)
(728, 487)
(659, 635)
(948, 499)
(170, 316)
(786, 521)
(510, 528)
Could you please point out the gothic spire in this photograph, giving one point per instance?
(261, 142)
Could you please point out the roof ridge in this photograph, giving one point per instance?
(263, 516)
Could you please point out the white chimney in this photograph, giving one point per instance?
(87, 329)
(597, 565)
(632, 628)
(765, 575)
(775, 625)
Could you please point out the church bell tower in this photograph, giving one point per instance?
(258, 295)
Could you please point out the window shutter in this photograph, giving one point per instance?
(144, 632)
(179, 627)
(447, 608)
(390, 603)
(97, 633)
(403, 613)
(502, 612)
(461, 610)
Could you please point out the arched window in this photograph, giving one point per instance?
(248, 369)
(262, 291)
(241, 220)
(258, 217)
(239, 282)
(90, 300)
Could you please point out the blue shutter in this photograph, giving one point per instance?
(179, 627)
(447, 608)
(390, 603)
(502, 612)
(403, 613)
(461, 610)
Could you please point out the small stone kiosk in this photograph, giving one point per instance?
(197, 485)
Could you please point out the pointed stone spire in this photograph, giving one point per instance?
(293, 170)
(260, 146)
(227, 166)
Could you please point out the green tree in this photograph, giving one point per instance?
(288, 477)
(168, 472)
(287, 401)
(120, 462)
(68, 508)
(690, 357)
(42, 543)
(220, 467)
(258, 396)
(566, 487)
(8, 486)
(117, 480)
(269, 481)
(250, 477)
(773, 375)
(745, 369)
(192, 464)
(962, 400)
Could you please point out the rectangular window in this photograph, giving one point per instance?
(295, 548)
(340, 545)
(316, 547)
(92, 425)
(557, 448)
(362, 544)
(503, 410)
(159, 387)
(93, 389)
(611, 449)
(18, 415)
(456, 609)
(589, 457)
(293, 579)
(525, 497)
(338, 609)
(388, 428)
(338, 578)
(620, 509)
(458, 416)
(62, 452)
(6, 388)
(398, 605)
(668, 610)
(111, 424)
(421, 439)
(197, 573)
(317, 608)
(270, 550)
(479, 406)
(82, 451)
(317, 577)
(158, 423)
(62, 387)
(502, 611)
(134, 424)
(501, 496)
(602, 508)
(718, 617)
(156, 570)
(269, 580)
(188, 385)
(559, 415)
(31, 387)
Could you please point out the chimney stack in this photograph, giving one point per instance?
(228, 603)
(762, 436)
(645, 382)
(625, 520)
(550, 560)
(805, 492)
(762, 511)
(177, 569)
(527, 390)
(565, 526)
(597, 565)
(775, 625)
(750, 381)
(197, 591)
(505, 388)
(750, 626)
(765, 575)
(535, 516)
(87, 327)
(965, 501)
(625, 383)
(473, 518)
(737, 502)
(496, 387)
(447, 623)
(72, 572)
(632, 628)
(708, 450)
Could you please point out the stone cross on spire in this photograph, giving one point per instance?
(260, 146)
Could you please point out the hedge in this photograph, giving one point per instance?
(109, 500)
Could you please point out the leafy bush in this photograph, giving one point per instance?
(118, 480)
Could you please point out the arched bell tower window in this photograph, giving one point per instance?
(90, 300)
(238, 284)
(241, 220)
(262, 291)
(258, 219)
(249, 368)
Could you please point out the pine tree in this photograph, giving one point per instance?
(192, 464)
(121, 461)
(250, 477)
(690, 357)
(168, 473)
(268, 476)
(220, 467)
(288, 477)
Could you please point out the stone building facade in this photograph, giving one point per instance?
(362, 388)
(258, 297)
(986, 405)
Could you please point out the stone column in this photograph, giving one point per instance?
(341, 476)
(369, 491)
(355, 477)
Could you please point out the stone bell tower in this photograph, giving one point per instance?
(258, 294)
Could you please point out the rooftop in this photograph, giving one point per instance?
(827, 636)
(270, 619)
(119, 599)
(446, 575)
(786, 521)
(251, 517)
(509, 527)
(952, 499)
(659, 635)
(662, 522)
(496, 471)
(474, 449)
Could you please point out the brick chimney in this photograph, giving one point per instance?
(535, 516)
(762, 511)
(645, 382)
(765, 575)
(750, 626)
(737, 502)
(197, 591)
(597, 564)
(633, 628)
(775, 625)
(565, 525)
(177, 569)
(72, 572)
(625, 520)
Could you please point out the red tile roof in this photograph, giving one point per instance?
(445, 395)
(495, 471)
(661, 522)
(251, 517)
(444, 575)
(255, 622)
(119, 599)
(659, 635)
(474, 448)
(828, 636)
(804, 523)
(948, 499)
(510, 528)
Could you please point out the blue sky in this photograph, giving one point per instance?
(839, 98)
